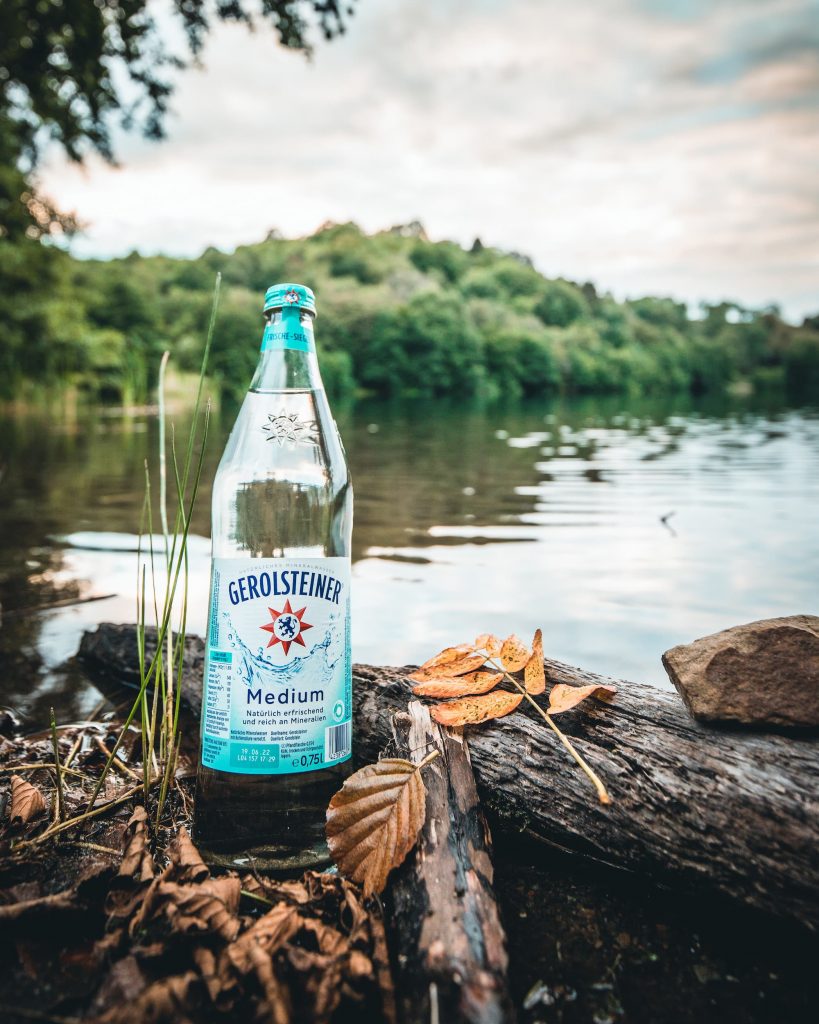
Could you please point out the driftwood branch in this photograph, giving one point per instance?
(448, 942)
(695, 807)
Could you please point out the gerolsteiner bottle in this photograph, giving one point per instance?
(277, 694)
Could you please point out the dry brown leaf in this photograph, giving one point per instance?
(41, 907)
(373, 821)
(535, 676)
(26, 802)
(473, 710)
(489, 643)
(306, 959)
(268, 933)
(564, 698)
(253, 954)
(186, 857)
(459, 686)
(323, 990)
(136, 872)
(206, 964)
(514, 654)
(330, 941)
(452, 661)
(206, 907)
(137, 862)
(169, 999)
(275, 889)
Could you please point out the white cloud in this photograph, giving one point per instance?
(613, 140)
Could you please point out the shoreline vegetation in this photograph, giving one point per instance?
(398, 315)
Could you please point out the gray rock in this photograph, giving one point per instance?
(763, 673)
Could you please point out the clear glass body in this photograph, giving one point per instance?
(276, 501)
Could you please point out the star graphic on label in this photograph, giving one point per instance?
(287, 627)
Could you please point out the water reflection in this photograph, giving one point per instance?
(621, 532)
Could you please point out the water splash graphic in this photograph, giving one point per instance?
(318, 665)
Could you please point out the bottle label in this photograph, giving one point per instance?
(277, 695)
(288, 333)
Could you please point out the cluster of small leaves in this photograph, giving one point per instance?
(468, 678)
(460, 672)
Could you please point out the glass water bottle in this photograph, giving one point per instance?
(277, 696)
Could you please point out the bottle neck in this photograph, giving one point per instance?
(288, 354)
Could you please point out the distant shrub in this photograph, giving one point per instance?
(355, 264)
(445, 258)
(560, 303)
(662, 312)
(337, 373)
(802, 364)
(522, 363)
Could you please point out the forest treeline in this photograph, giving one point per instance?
(397, 314)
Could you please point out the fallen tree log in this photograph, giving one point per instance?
(449, 947)
(699, 808)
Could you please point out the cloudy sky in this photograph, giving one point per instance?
(652, 146)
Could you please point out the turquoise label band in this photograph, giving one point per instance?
(289, 333)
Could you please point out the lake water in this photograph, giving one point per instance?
(621, 527)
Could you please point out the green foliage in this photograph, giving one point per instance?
(501, 277)
(28, 274)
(802, 363)
(397, 314)
(68, 67)
(233, 356)
(661, 312)
(443, 258)
(71, 70)
(348, 254)
(560, 304)
(521, 362)
(337, 374)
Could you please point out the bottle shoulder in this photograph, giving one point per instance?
(283, 434)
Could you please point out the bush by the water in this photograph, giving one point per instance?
(397, 314)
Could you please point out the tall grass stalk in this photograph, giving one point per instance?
(163, 516)
(159, 717)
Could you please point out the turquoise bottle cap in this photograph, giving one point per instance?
(289, 296)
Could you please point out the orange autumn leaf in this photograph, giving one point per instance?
(535, 676)
(458, 686)
(514, 654)
(489, 643)
(564, 698)
(373, 821)
(452, 661)
(473, 710)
